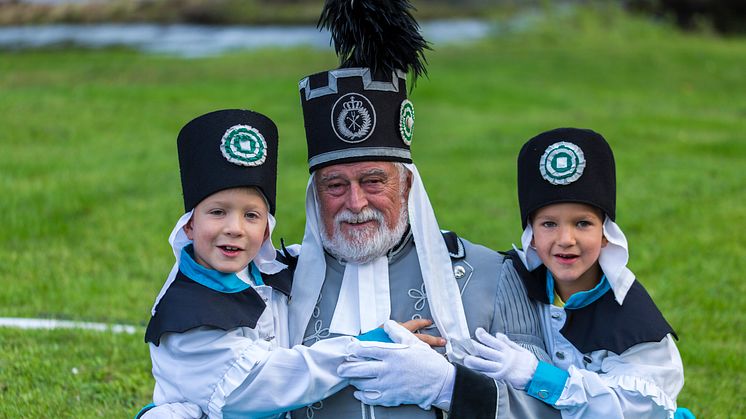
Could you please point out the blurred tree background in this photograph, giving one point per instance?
(721, 16)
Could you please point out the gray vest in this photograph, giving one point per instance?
(494, 299)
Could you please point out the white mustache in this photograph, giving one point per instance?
(367, 214)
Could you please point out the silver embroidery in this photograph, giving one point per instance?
(311, 408)
(420, 297)
(319, 332)
(317, 308)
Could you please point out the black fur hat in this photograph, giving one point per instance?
(566, 165)
(360, 111)
(226, 149)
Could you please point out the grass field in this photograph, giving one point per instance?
(90, 186)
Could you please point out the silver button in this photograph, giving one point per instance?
(587, 359)
(269, 338)
(556, 315)
(265, 299)
(543, 394)
(459, 271)
(560, 355)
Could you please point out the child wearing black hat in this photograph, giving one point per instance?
(613, 352)
(218, 330)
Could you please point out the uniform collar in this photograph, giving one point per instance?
(579, 299)
(219, 281)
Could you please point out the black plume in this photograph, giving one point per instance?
(379, 34)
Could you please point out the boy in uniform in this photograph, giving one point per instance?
(613, 352)
(218, 330)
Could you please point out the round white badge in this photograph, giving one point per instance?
(353, 118)
(244, 145)
(562, 163)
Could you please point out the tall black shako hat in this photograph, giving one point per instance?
(566, 165)
(226, 149)
(360, 111)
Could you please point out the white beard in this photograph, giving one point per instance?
(364, 246)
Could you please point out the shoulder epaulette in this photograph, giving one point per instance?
(454, 244)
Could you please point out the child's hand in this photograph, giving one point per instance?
(502, 359)
(417, 324)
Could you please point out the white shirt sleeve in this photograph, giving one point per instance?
(231, 373)
(642, 382)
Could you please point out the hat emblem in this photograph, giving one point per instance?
(244, 145)
(353, 118)
(562, 163)
(406, 121)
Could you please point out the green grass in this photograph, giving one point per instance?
(90, 185)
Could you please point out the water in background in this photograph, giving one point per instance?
(199, 41)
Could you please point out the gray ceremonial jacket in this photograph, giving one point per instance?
(494, 299)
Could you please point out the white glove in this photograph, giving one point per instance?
(405, 372)
(502, 359)
(183, 410)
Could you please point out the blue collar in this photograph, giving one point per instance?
(582, 298)
(219, 281)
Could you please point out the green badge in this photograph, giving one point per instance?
(562, 163)
(244, 145)
(406, 121)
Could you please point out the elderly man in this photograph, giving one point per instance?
(373, 250)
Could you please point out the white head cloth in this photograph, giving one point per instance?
(265, 260)
(364, 301)
(613, 258)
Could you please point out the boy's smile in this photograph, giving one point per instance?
(568, 238)
(228, 229)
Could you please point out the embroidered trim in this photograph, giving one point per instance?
(319, 332)
(312, 407)
(406, 121)
(360, 152)
(244, 145)
(562, 163)
(364, 73)
(419, 295)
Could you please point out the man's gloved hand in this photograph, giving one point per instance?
(407, 371)
(502, 359)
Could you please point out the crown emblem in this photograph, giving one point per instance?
(353, 118)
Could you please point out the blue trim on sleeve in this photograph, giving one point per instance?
(547, 383)
(683, 413)
(144, 409)
(375, 335)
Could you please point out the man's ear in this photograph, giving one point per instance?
(409, 183)
(604, 241)
(189, 229)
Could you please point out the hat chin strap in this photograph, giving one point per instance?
(265, 260)
(613, 258)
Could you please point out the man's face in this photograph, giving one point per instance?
(360, 202)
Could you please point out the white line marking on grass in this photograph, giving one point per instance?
(64, 324)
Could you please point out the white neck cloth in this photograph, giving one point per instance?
(364, 301)
(613, 258)
(265, 259)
